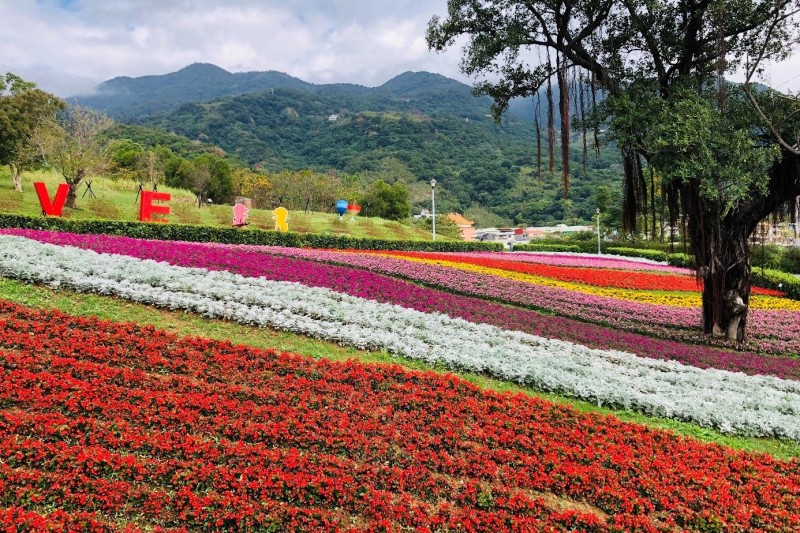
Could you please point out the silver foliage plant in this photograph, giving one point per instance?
(727, 401)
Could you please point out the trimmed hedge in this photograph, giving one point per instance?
(185, 232)
(775, 279)
(655, 255)
(680, 260)
(536, 247)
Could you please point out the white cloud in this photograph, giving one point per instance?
(68, 46)
(70, 49)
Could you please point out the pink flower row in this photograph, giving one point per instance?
(587, 261)
(274, 263)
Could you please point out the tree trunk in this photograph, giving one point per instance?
(16, 176)
(726, 285)
(719, 241)
(73, 183)
(72, 194)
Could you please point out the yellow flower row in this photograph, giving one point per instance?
(674, 299)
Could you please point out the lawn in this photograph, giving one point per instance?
(116, 200)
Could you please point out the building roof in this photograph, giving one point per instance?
(459, 219)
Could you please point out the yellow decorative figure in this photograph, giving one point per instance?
(280, 215)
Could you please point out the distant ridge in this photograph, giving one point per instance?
(129, 98)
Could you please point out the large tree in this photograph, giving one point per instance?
(72, 146)
(721, 153)
(23, 110)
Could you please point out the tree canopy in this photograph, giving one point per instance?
(661, 65)
(23, 110)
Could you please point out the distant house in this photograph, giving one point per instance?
(334, 117)
(465, 227)
(555, 231)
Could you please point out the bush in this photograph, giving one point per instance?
(386, 201)
(182, 232)
(775, 279)
(655, 255)
(680, 260)
(538, 247)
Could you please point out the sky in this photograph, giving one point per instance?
(69, 46)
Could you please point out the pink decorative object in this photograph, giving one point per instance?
(240, 212)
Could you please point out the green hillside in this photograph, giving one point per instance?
(116, 200)
(415, 127)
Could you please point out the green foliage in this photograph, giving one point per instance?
(444, 226)
(680, 260)
(694, 140)
(655, 255)
(786, 259)
(23, 111)
(775, 279)
(386, 201)
(540, 247)
(180, 232)
(212, 178)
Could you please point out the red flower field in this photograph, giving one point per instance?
(107, 426)
(599, 277)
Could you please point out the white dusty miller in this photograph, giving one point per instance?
(728, 401)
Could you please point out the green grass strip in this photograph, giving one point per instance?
(191, 324)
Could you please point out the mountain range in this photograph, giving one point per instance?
(414, 127)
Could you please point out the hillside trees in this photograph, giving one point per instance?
(71, 145)
(211, 178)
(386, 201)
(23, 110)
(725, 165)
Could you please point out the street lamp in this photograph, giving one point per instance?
(598, 232)
(433, 206)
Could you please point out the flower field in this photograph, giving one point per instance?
(125, 425)
(108, 426)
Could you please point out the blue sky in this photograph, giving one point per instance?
(69, 46)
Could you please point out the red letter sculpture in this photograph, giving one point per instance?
(57, 206)
(147, 209)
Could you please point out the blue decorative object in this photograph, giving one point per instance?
(341, 207)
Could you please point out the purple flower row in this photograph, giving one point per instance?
(771, 331)
(588, 261)
(274, 263)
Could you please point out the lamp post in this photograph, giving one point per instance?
(433, 206)
(598, 232)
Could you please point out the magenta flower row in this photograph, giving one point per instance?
(588, 261)
(275, 263)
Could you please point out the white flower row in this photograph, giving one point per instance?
(728, 401)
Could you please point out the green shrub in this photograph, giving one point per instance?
(775, 279)
(680, 260)
(230, 235)
(537, 247)
(655, 255)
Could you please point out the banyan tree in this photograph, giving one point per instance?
(726, 154)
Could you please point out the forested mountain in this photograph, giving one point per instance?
(415, 127)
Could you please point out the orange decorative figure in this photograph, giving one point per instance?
(280, 215)
(57, 205)
(147, 209)
(240, 215)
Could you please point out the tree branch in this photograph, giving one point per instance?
(747, 90)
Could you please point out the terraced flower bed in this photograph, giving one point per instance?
(729, 402)
(118, 427)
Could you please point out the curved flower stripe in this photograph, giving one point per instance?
(774, 332)
(729, 402)
(584, 261)
(605, 277)
(770, 331)
(677, 299)
(281, 264)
